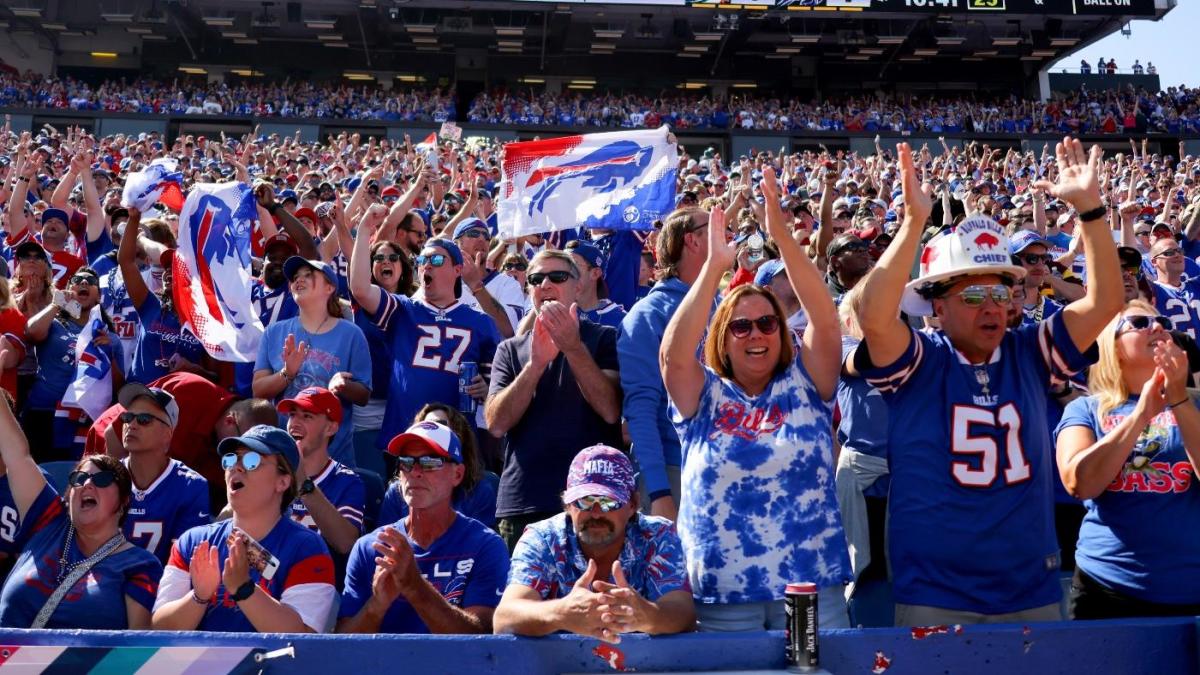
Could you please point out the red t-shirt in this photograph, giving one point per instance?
(12, 327)
(194, 442)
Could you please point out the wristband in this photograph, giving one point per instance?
(283, 373)
(1095, 214)
(196, 599)
(1176, 404)
(243, 592)
(658, 494)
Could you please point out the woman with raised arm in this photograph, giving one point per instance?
(758, 507)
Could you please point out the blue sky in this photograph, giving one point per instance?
(1169, 43)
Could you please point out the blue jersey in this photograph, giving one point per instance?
(56, 363)
(342, 348)
(97, 601)
(11, 541)
(971, 522)
(381, 355)
(343, 488)
(1125, 541)
(1045, 309)
(160, 336)
(114, 298)
(273, 304)
(174, 503)
(758, 504)
(864, 419)
(467, 565)
(303, 581)
(607, 313)
(427, 345)
(1180, 304)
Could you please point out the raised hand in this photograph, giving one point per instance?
(1078, 175)
(721, 252)
(562, 323)
(294, 354)
(205, 571)
(918, 196)
(542, 349)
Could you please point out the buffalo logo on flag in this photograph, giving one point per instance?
(159, 182)
(212, 270)
(621, 180)
(91, 388)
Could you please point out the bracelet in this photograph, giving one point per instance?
(1095, 214)
(196, 599)
(476, 290)
(286, 378)
(1176, 404)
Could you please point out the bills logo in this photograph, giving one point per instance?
(94, 362)
(602, 170)
(212, 238)
(987, 240)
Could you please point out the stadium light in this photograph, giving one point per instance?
(708, 37)
(510, 31)
(26, 12)
(320, 24)
(925, 52)
(117, 17)
(806, 39)
(745, 85)
(358, 77)
(336, 44)
(950, 40)
(193, 70)
(695, 49)
(335, 37)
(139, 30)
(890, 39)
(581, 86)
(857, 57)
(1006, 41)
(246, 72)
(608, 33)
(424, 39)
(502, 50)
(219, 21)
(1064, 42)
(506, 43)
(54, 26)
(104, 55)
(603, 48)
(233, 34)
(787, 50)
(420, 27)
(582, 80)
(1044, 53)
(871, 51)
(532, 80)
(987, 52)
(688, 55)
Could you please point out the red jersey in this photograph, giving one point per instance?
(12, 328)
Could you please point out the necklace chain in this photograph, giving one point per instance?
(64, 570)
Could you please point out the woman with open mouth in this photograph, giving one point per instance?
(76, 570)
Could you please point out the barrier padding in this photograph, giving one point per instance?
(1158, 646)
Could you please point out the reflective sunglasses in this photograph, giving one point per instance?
(100, 479)
(1132, 270)
(427, 463)
(1143, 322)
(85, 279)
(435, 260)
(975, 296)
(557, 276)
(1034, 258)
(606, 504)
(1169, 253)
(143, 419)
(250, 460)
(767, 325)
(473, 234)
(385, 257)
(520, 267)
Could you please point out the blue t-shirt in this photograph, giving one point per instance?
(305, 573)
(1181, 305)
(343, 488)
(478, 503)
(381, 355)
(428, 344)
(56, 363)
(467, 565)
(607, 313)
(174, 503)
(971, 524)
(864, 418)
(548, 558)
(342, 348)
(758, 506)
(158, 337)
(97, 601)
(1124, 541)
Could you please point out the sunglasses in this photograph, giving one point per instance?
(606, 504)
(473, 234)
(975, 296)
(100, 479)
(385, 257)
(143, 419)
(520, 267)
(436, 260)
(427, 463)
(250, 460)
(1144, 321)
(1132, 270)
(28, 257)
(1035, 258)
(767, 325)
(1143, 233)
(557, 276)
(1169, 253)
(857, 247)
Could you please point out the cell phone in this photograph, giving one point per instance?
(259, 557)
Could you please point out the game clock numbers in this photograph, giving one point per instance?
(996, 5)
(923, 4)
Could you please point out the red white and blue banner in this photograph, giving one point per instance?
(161, 181)
(622, 180)
(91, 389)
(211, 278)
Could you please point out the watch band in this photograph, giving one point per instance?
(1095, 214)
(243, 592)
(307, 487)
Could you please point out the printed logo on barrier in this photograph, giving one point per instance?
(603, 170)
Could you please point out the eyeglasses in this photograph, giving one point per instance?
(557, 276)
(250, 460)
(143, 419)
(419, 232)
(1168, 253)
(427, 463)
(975, 296)
(385, 257)
(85, 279)
(435, 260)
(767, 325)
(1143, 233)
(856, 247)
(473, 234)
(100, 479)
(520, 267)
(1143, 322)
(1032, 259)
(606, 504)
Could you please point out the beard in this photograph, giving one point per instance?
(596, 532)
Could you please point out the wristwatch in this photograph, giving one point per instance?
(307, 487)
(243, 592)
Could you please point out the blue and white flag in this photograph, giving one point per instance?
(91, 389)
(623, 180)
(211, 280)
(161, 180)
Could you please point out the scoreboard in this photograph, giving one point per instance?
(1064, 7)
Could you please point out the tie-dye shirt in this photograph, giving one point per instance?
(548, 558)
(758, 508)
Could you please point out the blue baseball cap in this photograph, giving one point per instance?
(469, 224)
(438, 438)
(265, 440)
(450, 247)
(588, 252)
(50, 214)
(1024, 239)
(288, 195)
(294, 263)
(768, 271)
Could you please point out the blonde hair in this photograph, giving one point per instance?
(848, 310)
(1105, 379)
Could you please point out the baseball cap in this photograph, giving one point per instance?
(281, 239)
(451, 248)
(161, 398)
(288, 195)
(600, 471)
(842, 242)
(294, 263)
(768, 271)
(1024, 239)
(438, 438)
(31, 247)
(266, 440)
(50, 214)
(316, 400)
(306, 213)
(1129, 256)
(390, 191)
(467, 225)
(588, 252)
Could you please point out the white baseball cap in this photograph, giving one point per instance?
(978, 245)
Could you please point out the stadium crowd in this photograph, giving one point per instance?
(556, 457)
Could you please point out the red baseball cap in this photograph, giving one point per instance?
(282, 240)
(316, 400)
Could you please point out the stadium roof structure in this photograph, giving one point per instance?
(621, 44)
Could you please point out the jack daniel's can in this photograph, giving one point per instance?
(800, 603)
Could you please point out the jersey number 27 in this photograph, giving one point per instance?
(428, 353)
(982, 472)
